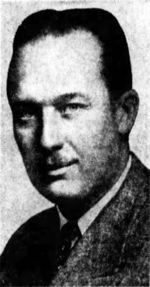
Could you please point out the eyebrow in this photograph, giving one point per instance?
(59, 100)
(24, 103)
(68, 97)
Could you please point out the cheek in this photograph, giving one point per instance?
(25, 138)
(95, 143)
(92, 134)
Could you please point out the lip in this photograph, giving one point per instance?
(59, 170)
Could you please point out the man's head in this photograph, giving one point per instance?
(103, 25)
(69, 87)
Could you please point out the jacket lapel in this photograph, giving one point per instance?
(98, 253)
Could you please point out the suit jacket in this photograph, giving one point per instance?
(112, 252)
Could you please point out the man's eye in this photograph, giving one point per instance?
(71, 108)
(24, 116)
(27, 116)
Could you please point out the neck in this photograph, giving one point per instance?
(120, 163)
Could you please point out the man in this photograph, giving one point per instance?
(70, 91)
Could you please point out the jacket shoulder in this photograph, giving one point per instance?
(41, 221)
(30, 234)
(136, 246)
(30, 250)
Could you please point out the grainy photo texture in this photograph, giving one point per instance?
(73, 103)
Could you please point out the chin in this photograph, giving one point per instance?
(62, 190)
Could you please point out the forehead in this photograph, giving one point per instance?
(55, 65)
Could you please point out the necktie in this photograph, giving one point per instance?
(70, 234)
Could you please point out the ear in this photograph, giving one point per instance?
(126, 111)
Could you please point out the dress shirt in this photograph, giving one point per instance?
(86, 220)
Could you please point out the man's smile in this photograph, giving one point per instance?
(58, 170)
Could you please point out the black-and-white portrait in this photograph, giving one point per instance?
(75, 151)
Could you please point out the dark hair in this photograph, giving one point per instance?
(116, 70)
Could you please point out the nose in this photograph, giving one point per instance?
(51, 135)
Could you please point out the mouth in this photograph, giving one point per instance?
(61, 169)
(58, 171)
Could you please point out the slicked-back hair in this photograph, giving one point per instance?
(116, 66)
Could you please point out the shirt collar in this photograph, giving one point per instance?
(85, 221)
(63, 220)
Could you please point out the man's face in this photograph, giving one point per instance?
(62, 118)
